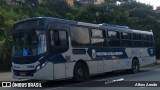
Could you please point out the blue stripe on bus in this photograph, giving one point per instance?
(58, 59)
(101, 54)
(106, 53)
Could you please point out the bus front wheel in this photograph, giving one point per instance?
(80, 72)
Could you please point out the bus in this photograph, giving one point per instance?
(46, 48)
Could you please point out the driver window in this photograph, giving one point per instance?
(59, 38)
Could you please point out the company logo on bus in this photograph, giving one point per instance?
(151, 51)
(93, 53)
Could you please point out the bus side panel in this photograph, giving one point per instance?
(128, 61)
(59, 71)
(46, 73)
(92, 67)
(108, 66)
(136, 52)
(145, 56)
(69, 68)
(100, 66)
(148, 60)
(114, 65)
(148, 56)
(141, 61)
(120, 64)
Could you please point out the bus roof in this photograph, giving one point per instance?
(100, 26)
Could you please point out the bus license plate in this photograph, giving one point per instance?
(22, 74)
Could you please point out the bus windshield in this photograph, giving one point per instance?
(29, 43)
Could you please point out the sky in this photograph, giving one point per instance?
(154, 3)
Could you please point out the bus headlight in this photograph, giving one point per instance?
(38, 67)
(41, 66)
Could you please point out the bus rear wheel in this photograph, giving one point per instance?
(135, 66)
(80, 72)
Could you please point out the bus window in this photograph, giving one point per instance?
(97, 33)
(137, 40)
(97, 38)
(97, 42)
(113, 35)
(59, 41)
(114, 39)
(150, 40)
(29, 43)
(125, 35)
(136, 36)
(59, 38)
(137, 44)
(145, 44)
(145, 40)
(126, 39)
(145, 37)
(79, 36)
(150, 44)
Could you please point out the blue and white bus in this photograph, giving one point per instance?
(46, 48)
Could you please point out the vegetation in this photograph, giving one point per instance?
(129, 13)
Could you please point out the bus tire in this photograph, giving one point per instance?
(80, 72)
(135, 66)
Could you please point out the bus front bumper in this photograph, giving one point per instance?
(45, 73)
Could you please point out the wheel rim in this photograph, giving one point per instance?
(135, 67)
(80, 73)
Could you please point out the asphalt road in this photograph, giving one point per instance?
(148, 75)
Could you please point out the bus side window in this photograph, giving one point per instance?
(63, 38)
(126, 39)
(151, 41)
(56, 38)
(52, 38)
(79, 36)
(145, 40)
(59, 38)
(59, 41)
(113, 39)
(97, 38)
(137, 40)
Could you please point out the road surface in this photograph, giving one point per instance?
(148, 74)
